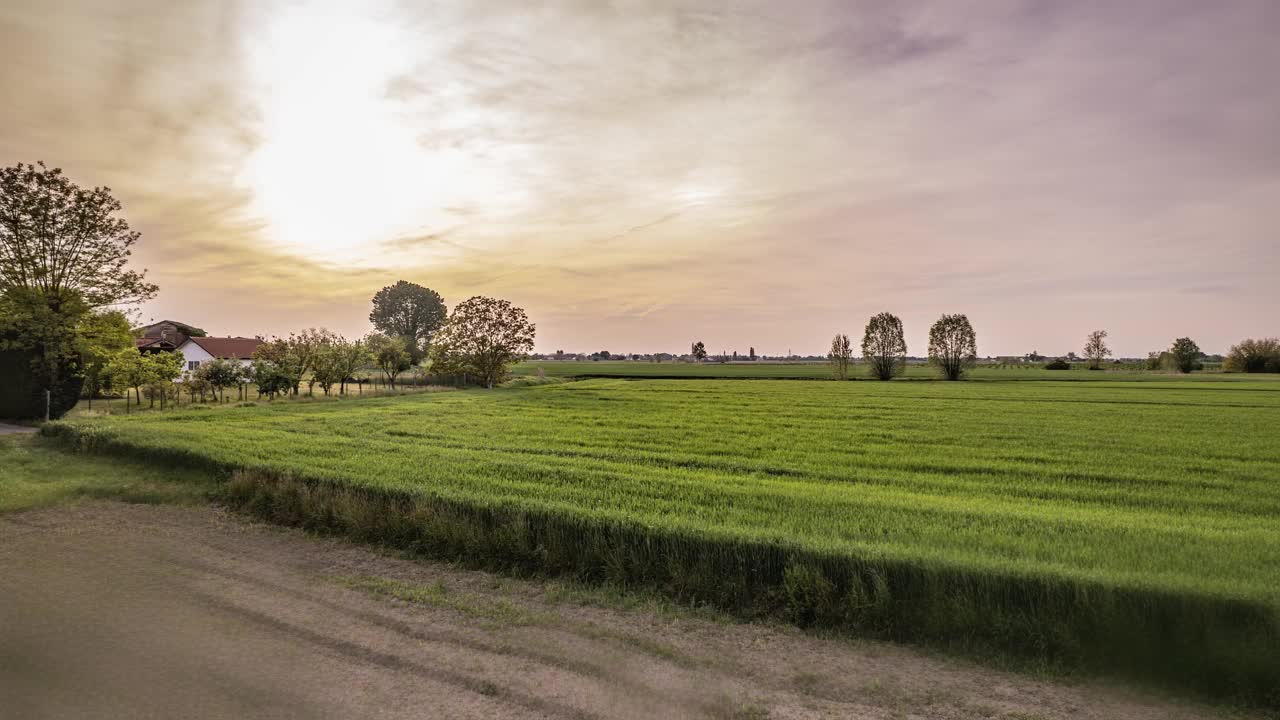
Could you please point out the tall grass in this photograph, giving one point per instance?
(1123, 527)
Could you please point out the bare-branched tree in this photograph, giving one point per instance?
(1095, 349)
(840, 356)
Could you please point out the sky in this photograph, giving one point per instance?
(639, 175)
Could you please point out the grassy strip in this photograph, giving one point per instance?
(1217, 646)
(34, 475)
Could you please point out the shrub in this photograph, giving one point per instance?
(1058, 364)
(1254, 356)
(22, 397)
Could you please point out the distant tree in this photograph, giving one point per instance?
(482, 338)
(840, 356)
(391, 354)
(102, 335)
(220, 374)
(1185, 355)
(1254, 356)
(410, 311)
(161, 370)
(751, 353)
(324, 369)
(1095, 349)
(883, 346)
(196, 387)
(349, 357)
(279, 360)
(698, 350)
(1156, 360)
(129, 370)
(953, 346)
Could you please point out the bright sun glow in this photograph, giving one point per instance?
(337, 171)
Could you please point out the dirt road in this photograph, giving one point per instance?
(128, 611)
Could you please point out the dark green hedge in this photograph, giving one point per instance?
(22, 396)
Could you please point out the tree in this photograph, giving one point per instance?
(391, 354)
(840, 356)
(160, 370)
(953, 347)
(751, 353)
(883, 346)
(1254, 356)
(63, 253)
(410, 311)
(277, 361)
(56, 237)
(698, 350)
(482, 338)
(220, 374)
(348, 357)
(1185, 355)
(328, 368)
(101, 336)
(270, 378)
(1095, 349)
(129, 369)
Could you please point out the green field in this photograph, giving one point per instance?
(1098, 522)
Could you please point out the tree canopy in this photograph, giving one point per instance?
(953, 346)
(483, 337)
(57, 238)
(1185, 355)
(410, 311)
(883, 346)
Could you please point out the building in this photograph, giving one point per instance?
(198, 350)
(163, 336)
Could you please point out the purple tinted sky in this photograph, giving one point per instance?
(750, 174)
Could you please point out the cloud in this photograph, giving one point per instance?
(639, 172)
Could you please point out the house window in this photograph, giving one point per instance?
(192, 364)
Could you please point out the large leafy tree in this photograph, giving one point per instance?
(410, 311)
(883, 346)
(1185, 355)
(64, 252)
(482, 339)
(698, 350)
(59, 239)
(953, 346)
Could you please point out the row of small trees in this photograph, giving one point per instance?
(953, 348)
(478, 341)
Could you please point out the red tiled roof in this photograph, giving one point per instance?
(238, 348)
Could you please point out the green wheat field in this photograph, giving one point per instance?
(1101, 521)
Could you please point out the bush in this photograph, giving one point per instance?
(1058, 364)
(22, 397)
(1254, 356)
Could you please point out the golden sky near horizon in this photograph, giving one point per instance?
(638, 175)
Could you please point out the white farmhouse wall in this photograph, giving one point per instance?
(192, 352)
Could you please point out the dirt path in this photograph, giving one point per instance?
(7, 429)
(113, 610)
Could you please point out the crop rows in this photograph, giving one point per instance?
(1120, 526)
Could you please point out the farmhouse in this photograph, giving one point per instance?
(197, 350)
(195, 346)
(163, 336)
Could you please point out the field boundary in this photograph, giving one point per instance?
(1218, 647)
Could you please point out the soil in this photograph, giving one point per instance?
(110, 610)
